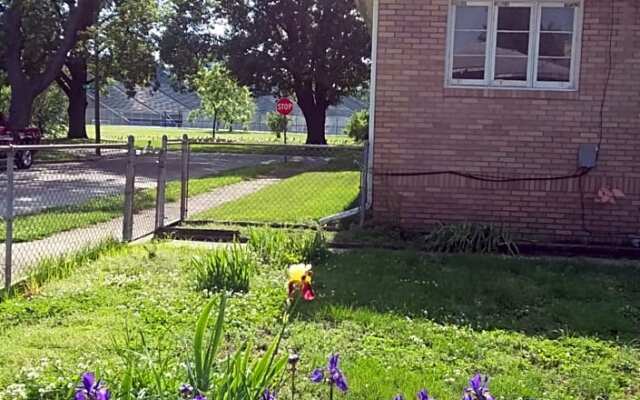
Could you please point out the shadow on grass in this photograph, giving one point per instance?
(550, 298)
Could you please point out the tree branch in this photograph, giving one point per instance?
(80, 17)
(63, 85)
(16, 75)
(65, 79)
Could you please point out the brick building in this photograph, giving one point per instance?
(481, 109)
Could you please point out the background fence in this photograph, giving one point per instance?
(73, 199)
(334, 125)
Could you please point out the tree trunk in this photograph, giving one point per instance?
(315, 115)
(215, 124)
(73, 85)
(20, 108)
(316, 119)
(77, 113)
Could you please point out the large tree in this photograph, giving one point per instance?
(188, 41)
(120, 45)
(317, 50)
(37, 45)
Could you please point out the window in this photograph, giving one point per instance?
(514, 44)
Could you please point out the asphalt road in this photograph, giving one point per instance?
(60, 184)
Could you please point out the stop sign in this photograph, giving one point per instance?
(284, 106)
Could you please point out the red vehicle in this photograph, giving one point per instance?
(24, 158)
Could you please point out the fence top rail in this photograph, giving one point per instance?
(293, 146)
(41, 147)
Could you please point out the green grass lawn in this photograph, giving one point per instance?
(303, 198)
(553, 330)
(102, 209)
(154, 134)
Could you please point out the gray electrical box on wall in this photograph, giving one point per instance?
(588, 156)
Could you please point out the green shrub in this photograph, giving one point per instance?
(50, 112)
(470, 238)
(224, 269)
(277, 123)
(358, 126)
(279, 248)
(240, 377)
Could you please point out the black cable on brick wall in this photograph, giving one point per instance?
(580, 172)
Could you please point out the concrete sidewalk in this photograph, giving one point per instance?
(26, 255)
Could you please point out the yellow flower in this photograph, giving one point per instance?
(300, 276)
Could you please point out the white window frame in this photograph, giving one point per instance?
(532, 82)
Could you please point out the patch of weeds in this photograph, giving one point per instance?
(224, 269)
(46, 379)
(56, 268)
(149, 367)
(279, 248)
(470, 238)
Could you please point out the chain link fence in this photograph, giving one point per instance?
(273, 184)
(72, 198)
(335, 125)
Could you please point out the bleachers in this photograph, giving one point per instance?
(163, 105)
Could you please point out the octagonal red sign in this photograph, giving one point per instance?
(284, 106)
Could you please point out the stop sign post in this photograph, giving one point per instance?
(284, 107)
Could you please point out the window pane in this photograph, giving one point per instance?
(511, 68)
(468, 67)
(512, 44)
(557, 19)
(556, 44)
(554, 70)
(471, 17)
(514, 18)
(470, 43)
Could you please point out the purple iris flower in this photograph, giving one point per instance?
(334, 362)
(424, 395)
(103, 394)
(340, 381)
(399, 397)
(268, 395)
(317, 376)
(186, 391)
(91, 389)
(478, 389)
(334, 374)
(89, 382)
(200, 396)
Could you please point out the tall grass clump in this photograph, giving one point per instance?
(228, 269)
(241, 376)
(470, 238)
(279, 248)
(55, 268)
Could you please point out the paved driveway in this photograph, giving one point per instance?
(60, 184)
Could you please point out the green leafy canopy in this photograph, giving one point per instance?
(222, 98)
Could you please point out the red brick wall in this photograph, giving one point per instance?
(423, 126)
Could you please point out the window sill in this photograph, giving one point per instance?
(511, 93)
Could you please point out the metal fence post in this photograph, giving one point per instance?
(162, 183)
(9, 212)
(129, 189)
(363, 182)
(184, 179)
